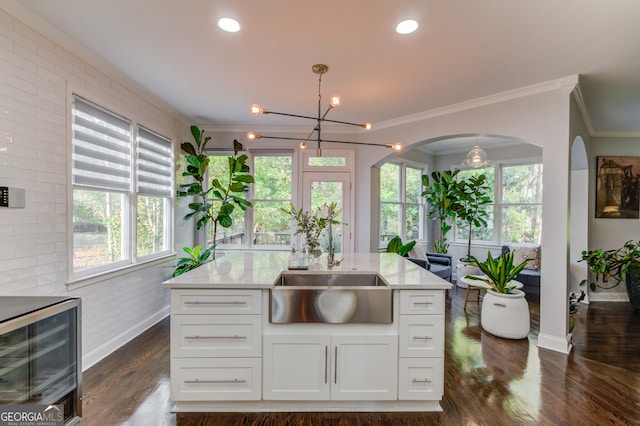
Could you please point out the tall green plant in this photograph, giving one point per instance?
(472, 200)
(213, 204)
(441, 193)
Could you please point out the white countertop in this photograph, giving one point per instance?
(259, 269)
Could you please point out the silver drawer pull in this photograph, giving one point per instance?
(198, 381)
(421, 381)
(422, 337)
(196, 337)
(197, 302)
(422, 303)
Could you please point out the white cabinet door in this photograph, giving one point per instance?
(364, 368)
(296, 367)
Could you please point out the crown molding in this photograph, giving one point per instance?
(567, 84)
(582, 108)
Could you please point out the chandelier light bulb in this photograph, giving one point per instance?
(334, 101)
(303, 145)
(396, 146)
(253, 136)
(367, 126)
(256, 109)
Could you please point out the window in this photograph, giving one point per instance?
(263, 225)
(272, 191)
(517, 189)
(521, 213)
(113, 225)
(154, 178)
(462, 228)
(401, 203)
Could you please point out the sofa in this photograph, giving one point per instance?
(436, 263)
(530, 275)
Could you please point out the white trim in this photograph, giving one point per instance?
(561, 83)
(96, 355)
(113, 273)
(554, 343)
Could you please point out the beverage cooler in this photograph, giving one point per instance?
(40, 355)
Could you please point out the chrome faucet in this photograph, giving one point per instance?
(331, 262)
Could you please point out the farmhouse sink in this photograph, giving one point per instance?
(331, 298)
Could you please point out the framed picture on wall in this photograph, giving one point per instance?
(618, 187)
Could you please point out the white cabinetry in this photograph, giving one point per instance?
(421, 341)
(216, 345)
(339, 367)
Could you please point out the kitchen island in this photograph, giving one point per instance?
(228, 354)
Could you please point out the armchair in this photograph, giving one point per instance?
(436, 263)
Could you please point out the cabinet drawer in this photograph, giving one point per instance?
(421, 302)
(421, 336)
(421, 379)
(233, 302)
(216, 336)
(215, 379)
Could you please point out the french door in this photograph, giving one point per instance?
(326, 187)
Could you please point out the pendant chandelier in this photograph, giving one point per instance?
(334, 102)
(476, 158)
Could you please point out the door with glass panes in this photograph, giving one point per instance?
(319, 188)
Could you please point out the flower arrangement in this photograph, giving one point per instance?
(311, 224)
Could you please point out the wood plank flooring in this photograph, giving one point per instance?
(488, 380)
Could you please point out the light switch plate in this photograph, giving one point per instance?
(12, 197)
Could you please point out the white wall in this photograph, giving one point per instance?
(610, 233)
(37, 75)
(541, 117)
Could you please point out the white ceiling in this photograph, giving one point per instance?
(463, 50)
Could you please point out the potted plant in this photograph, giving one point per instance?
(505, 311)
(441, 195)
(214, 202)
(620, 264)
(471, 207)
(574, 300)
(195, 257)
(395, 246)
(311, 225)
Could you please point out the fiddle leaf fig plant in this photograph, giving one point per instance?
(471, 207)
(441, 193)
(213, 204)
(195, 257)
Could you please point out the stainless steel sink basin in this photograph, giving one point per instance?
(334, 298)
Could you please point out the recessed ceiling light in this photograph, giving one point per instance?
(229, 25)
(407, 27)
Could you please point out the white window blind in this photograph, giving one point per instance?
(101, 145)
(154, 164)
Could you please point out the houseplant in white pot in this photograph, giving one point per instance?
(505, 311)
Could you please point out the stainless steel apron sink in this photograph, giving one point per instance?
(331, 298)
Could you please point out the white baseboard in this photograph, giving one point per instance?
(107, 348)
(608, 296)
(554, 343)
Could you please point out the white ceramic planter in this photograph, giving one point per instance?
(506, 315)
(464, 269)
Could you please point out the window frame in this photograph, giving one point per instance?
(402, 203)
(129, 213)
(498, 204)
(249, 212)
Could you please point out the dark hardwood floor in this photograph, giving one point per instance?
(488, 380)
